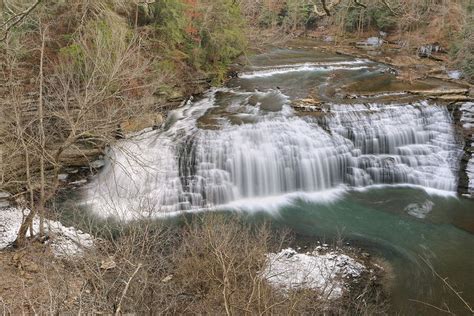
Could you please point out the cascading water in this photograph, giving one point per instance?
(273, 151)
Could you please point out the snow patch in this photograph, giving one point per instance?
(327, 273)
(65, 241)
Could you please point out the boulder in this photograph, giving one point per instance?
(374, 41)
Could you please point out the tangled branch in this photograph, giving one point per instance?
(16, 19)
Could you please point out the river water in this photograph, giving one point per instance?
(381, 170)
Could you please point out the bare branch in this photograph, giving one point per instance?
(17, 19)
(125, 290)
(389, 7)
(357, 2)
(432, 306)
(450, 287)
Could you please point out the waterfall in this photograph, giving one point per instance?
(186, 168)
(268, 71)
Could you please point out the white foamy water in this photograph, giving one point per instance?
(247, 166)
(305, 67)
(277, 157)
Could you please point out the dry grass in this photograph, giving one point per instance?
(207, 266)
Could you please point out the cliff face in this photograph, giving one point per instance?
(464, 117)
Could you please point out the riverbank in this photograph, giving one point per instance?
(185, 268)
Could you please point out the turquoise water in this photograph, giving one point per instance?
(377, 221)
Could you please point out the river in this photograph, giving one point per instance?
(381, 170)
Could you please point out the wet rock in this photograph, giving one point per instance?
(370, 43)
(4, 199)
(465, 121)
(307, 105)
(392, 71)
(425, 51)
(232, 74)
(374, 41)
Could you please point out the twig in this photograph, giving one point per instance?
(433, 306)
(357, 2)
(448, 285)
(119, 307)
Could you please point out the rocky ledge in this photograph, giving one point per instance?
(463, 114)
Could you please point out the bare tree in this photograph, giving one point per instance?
(82, 94)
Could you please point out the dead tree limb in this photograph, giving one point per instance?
(389, 7)
(125, 290)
